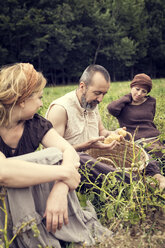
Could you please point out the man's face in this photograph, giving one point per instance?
(94, 93)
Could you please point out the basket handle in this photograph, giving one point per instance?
(130, 136)
(101, 159)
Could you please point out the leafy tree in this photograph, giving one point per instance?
(62, 37)
(156, 27)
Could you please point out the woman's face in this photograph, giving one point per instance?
(138, 93)
(32, 105)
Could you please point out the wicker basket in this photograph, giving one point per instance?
(125, 155)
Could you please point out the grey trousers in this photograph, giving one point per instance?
(26, 205)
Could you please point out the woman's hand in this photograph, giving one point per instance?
(72, 177)
(56, 212)
(161, 180)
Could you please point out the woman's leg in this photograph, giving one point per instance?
(27, 206)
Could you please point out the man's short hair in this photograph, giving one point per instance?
(88, 73)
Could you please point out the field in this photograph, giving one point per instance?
(117, 90)
(135, 212)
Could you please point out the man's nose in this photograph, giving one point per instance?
(100, 98)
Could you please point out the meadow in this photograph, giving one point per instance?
(116, 90)
(134, 212)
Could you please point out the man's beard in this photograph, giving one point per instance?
(88, 105)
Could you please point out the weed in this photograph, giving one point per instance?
(4, 241)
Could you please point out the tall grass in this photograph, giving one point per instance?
(117, 203)
(116, 90)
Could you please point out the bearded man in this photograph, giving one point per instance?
(75, 116)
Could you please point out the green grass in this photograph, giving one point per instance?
(51, 93)
(116, 90)
(132, 211)
(135, 212)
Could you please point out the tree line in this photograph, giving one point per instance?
(62, 37)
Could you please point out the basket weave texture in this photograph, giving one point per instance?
(125, 155)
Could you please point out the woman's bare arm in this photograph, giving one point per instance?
(19, 174)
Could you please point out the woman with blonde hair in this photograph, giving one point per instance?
(36, 192)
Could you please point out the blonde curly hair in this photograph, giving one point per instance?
(17, 83)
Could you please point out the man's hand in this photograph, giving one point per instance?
(56, 212)
(101, 145)
(124, 128)
(87, 145)
(96, 143)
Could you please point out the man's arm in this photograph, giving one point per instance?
(102, 130)
(58, 117)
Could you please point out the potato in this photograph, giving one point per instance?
(116, 135)
(122, 132)
(112, 137)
